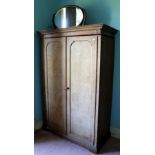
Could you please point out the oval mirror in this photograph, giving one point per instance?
(68, 16)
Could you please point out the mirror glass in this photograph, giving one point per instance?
(68, 16)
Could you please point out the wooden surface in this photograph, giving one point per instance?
(81, 68)
(105, 88)
(77, 77)
(55, 72)
(93, 29)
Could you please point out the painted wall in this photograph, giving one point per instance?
(42, 20)
(98, 11)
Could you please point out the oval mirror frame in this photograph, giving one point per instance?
(69, 16)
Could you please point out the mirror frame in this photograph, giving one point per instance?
(82, 22)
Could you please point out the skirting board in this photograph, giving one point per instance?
(115, 132)
(37, 125)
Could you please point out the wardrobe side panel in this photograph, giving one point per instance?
(105, 88)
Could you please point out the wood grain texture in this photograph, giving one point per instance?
(84, 30)
(77, 83)
(82, 77)
(55, 77)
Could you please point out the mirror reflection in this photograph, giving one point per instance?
(68, 16)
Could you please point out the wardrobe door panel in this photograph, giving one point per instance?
(55, 77)
(81, 81)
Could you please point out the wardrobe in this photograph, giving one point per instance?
(77, 76)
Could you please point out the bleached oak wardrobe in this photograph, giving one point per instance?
(77, 82)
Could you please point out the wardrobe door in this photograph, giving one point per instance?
(81, 82)
(55, 83)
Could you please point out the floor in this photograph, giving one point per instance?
(46, 143)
